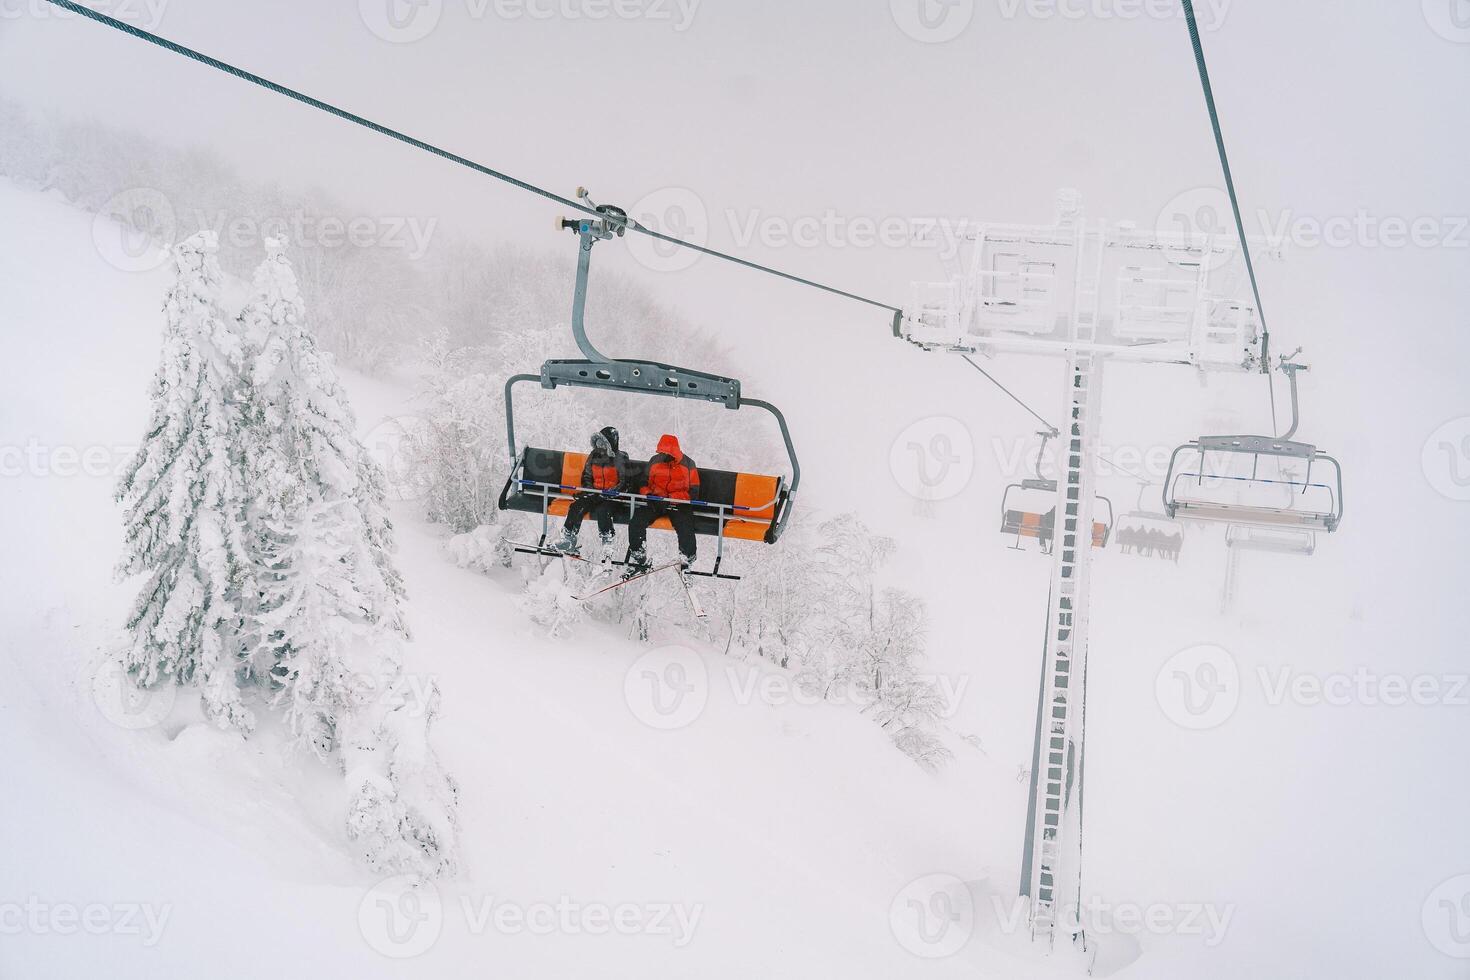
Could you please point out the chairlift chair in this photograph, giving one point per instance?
(734, 505)
(1149, 533)
(1312, 506)
(1028, 509)
(1273, 540)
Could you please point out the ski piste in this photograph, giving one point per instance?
(624, 581)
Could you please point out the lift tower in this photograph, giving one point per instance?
(1086, 293)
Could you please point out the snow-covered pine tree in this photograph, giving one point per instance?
(183, 495)
(330, 627)
(318, 519)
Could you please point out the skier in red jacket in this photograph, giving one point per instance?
(672, 477)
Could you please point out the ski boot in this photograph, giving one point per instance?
(607, 540)
(566, 544)
(636, 563)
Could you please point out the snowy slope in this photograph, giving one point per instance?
(794, 824)
(792, 830)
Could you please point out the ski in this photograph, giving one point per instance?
(624, 581)
(531, 549)
(695, 605)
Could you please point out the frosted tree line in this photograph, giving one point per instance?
(467, 317)
(375, 302)
(258, 523)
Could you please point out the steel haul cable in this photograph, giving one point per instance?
(379, 128)
(1245, 247)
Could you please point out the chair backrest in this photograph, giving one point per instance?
(752, 500)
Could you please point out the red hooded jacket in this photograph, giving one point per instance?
(671, 473)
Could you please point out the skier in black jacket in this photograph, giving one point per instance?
(606, 474)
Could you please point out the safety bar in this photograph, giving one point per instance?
(571, 492)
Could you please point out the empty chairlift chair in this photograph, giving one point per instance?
(1256, 481)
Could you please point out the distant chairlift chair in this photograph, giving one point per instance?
(1028, 509)
(1312, 506)
(1148, 533)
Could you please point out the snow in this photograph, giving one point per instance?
(792, 831)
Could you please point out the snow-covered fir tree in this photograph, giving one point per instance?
(318, 520)
(327, 622)
(183, 494)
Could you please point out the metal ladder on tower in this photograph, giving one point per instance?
(1052, 862)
